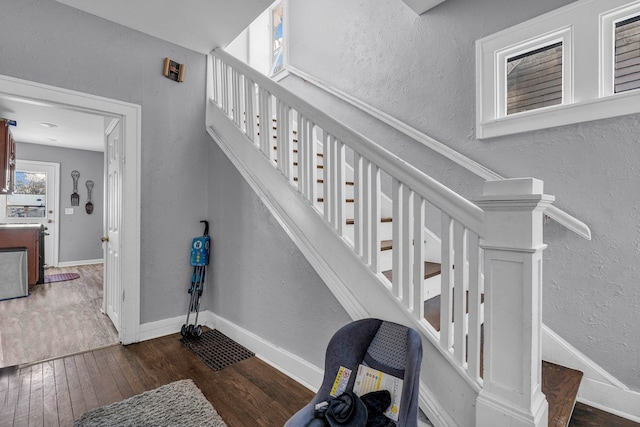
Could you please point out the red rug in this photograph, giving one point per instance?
(50, 278)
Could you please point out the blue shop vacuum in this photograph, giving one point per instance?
(199, 259)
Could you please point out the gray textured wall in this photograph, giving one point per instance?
(79, 233)
(47, 42)
(421, 69)
(262, 281)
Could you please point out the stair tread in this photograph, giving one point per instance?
(587, 416)
(430, 269)
(432, 310)
(351, 221)
(560, 384)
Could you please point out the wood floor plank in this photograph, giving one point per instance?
(290, 394)
(63, 396)
(78, 405)
(21, 415)
(36, 400)
(49, 399)
(249, 393)
(134, 366)
(7, 411)
(88, 391)
(109, 392)
(123, 379)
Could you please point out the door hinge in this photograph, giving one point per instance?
(123, 295)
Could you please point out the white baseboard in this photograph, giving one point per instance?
(434, 410)
(598, 388)
(81, 262)
(623, 403)
(160, 328)
(297, 368)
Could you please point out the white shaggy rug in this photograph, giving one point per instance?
(180, 403)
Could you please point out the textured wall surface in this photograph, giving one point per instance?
(48, 42)
(80, 233)
(262, 281)
(421, 69)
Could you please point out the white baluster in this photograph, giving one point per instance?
(328, 141)
(339, 184)
(357, 204)
(375, 218)
(397, 237)
(407, 246)
(225, 88)
(366, 211)
(475, 301)
(446, 297)
(461, 285)
(312, 162)
(418, 256)
(215, 73)
(249, 102)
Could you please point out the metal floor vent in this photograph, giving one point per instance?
(216, 350)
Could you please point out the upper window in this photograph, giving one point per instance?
(263, 44)
(534, 79)
(277, 38)
(627, 55)
(560, 68)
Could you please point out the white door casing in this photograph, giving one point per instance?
(130, 116)
(113, 289)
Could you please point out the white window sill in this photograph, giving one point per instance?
(620, 104)
(281, 74)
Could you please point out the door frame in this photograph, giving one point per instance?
(131, 117)
(53, 193)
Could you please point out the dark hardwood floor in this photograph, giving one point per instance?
(55, 393)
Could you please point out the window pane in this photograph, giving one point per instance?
(627, 56)
(534, 79)
(276, 39)
(29, 197)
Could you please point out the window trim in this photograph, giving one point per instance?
(285, 40)
(585, 94)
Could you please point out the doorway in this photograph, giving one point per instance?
(36, 200)
(127, 206)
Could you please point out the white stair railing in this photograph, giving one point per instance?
(282, 120)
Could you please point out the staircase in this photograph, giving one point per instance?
(472, 285)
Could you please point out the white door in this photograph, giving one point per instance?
(113, 291)
(35, 201)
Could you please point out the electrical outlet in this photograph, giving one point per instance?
(68, 211)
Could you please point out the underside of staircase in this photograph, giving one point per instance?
(312, 221)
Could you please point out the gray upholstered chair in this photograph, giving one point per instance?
(385, 346)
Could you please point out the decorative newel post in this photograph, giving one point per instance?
(512, 395)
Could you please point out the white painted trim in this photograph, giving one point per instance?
(556, 350)
(623, 403)
(132, 130)
(552, 211)
(81, 262)
(432, 408)
(598, 388)
(160, 328)
(297, 368)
